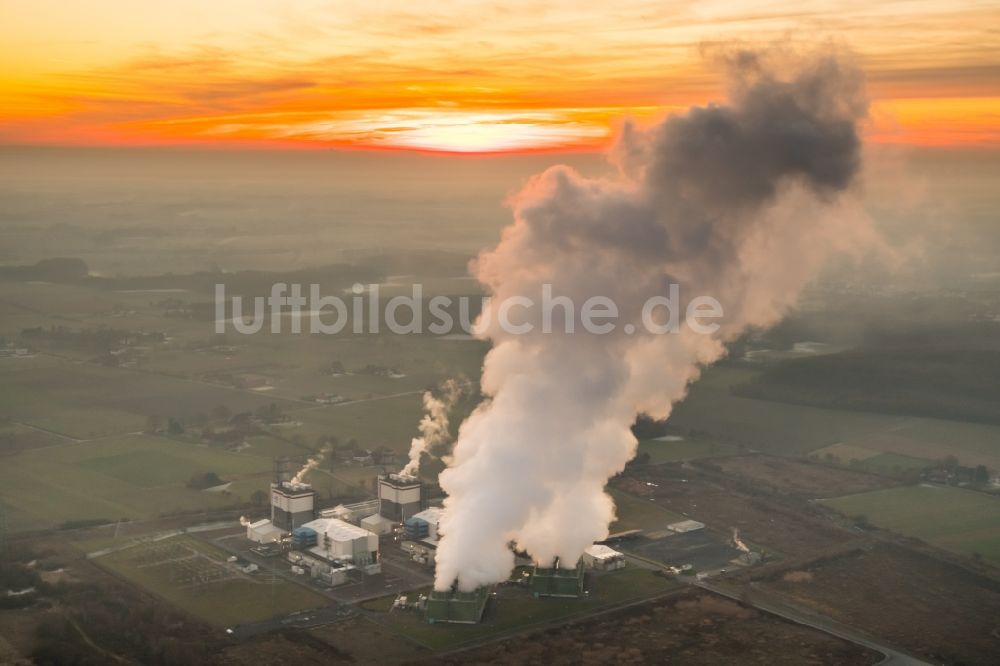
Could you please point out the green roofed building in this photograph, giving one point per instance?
(557, 582)
(457, 607)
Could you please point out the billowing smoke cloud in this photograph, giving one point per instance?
(311, 463)
(739, 201)
(434, 424)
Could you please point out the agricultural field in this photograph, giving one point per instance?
(674, 448)
(785, 429)
(934, 609)
(697, 628)
(963, 521)
(933, 439)
(807, 479)
(85, 401)
(298, 365)
(195, 577)
(391, 421)
(639, 513)
(777, 428)
(132, 477)
(779, 526)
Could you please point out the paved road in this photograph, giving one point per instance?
(893, 657)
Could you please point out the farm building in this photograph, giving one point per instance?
(263, 531)
(555, 581)
(292, 504)
(457, 607)
(424, 525)
(400, 496)
(340, 541)
(602, 558)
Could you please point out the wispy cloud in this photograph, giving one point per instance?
(551, 72)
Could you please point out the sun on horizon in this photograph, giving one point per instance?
(464, 77)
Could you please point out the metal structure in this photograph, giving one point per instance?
(555, 581)
(457, 607)
(282, 469)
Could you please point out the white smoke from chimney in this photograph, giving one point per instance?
(311, 463)
(738, 543)
(434, 424)
(740, 201)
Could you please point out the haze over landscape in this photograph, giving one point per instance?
(814, 480)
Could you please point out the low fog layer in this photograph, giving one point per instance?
(140, 212)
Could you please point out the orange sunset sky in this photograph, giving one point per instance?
(493, 75)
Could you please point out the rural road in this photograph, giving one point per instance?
(893, 657)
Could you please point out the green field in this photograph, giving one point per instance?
(636, 513)
(794, 430)
(133, 476)
(893, 462)
(515, 609)
(85, 401)
(964, 521)
(665, 451)
(195, 577)
(390, 422)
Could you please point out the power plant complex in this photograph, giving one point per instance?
(335, 545)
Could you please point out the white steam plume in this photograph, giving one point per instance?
(739, 201)
(434, 424)
(311, 463)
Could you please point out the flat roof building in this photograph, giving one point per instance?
(263, 531)
(603, 558)
(683, 526)
(338, 540)
(424, 525)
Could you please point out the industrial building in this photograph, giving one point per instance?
(292, 504)
(457, 607)
(352, 513)
(424, 525)
(400, 496)
(339, 541)
(377, 524)
(330, 572)
(603, 558)
(555, 581)
(263, 531)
